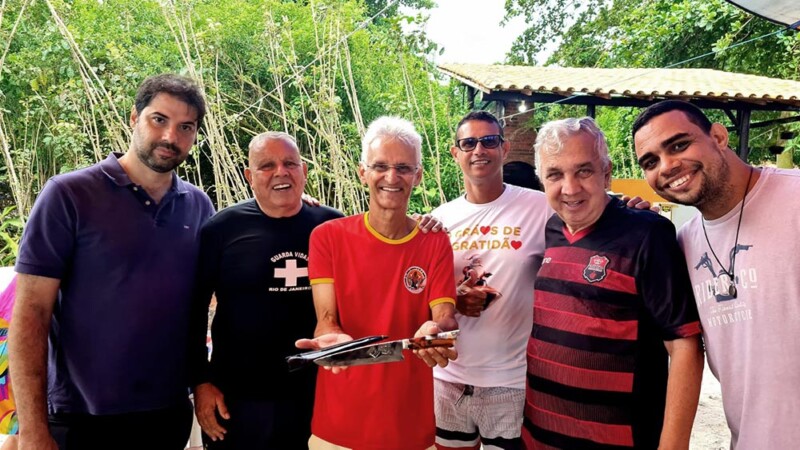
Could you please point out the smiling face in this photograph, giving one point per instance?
(277, 176)
(388, 188)
(481, 164)
(575, 181)
(163, 132)
(682, 163)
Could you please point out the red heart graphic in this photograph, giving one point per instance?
(516, 244)
(485, 230)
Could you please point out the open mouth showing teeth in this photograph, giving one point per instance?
(281, 187)
(679, 182)
(388, 189)
(479, 162)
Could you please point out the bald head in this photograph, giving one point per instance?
(259, 141)
(276, 173)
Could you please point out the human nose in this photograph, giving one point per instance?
(280, 170)
(479, 149)
(169, 134)
(391, 174)
(570, 185)
(669, 165)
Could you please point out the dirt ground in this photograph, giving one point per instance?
(710, 431)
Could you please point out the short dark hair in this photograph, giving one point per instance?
(693, 113)
(483, 116)
(520, 173)
(176, 85)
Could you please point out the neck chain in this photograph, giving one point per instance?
(729, 287)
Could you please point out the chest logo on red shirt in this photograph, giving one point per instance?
(415, 279)
(596, 269)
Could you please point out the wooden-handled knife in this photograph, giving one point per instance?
(384, 352)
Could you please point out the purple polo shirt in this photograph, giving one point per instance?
(126, 265)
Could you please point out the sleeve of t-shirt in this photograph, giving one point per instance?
(48, 241)
(442, 284)
(320, 259)
(664, 283)
(207, 276)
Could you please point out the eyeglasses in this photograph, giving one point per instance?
(402, 169)
(491, 141)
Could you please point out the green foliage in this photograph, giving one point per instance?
(319, 70)
(10, 234)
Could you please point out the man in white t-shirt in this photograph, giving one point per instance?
(497, 233)
(743, 259)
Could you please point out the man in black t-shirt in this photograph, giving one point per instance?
(614, 357)
(253, 257)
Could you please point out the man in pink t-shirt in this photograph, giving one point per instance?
(742, 260)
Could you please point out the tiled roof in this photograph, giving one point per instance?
(648, 84)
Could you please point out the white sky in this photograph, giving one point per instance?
(470, 31)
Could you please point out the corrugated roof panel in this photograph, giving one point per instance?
(706, 83)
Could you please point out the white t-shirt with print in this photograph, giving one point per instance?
(504, 241)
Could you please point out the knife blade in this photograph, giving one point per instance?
(300, 360)
(384, 352)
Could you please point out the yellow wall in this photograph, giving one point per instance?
(634, 187)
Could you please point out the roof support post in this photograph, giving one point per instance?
(471, 94)
(743, 128)
(590, 111)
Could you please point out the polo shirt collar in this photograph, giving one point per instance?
(114, 171)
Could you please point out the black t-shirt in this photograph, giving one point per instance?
(258, 268)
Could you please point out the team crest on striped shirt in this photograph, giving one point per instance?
(415, 279)
(596, 269)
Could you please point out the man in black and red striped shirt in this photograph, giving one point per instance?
(614, 358)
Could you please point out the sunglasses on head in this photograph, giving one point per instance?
(402, 169)
(489, 142)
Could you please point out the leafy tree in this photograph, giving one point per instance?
(319, 70)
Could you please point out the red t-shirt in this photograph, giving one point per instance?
(382, 286)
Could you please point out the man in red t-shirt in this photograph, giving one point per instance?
(375, 273)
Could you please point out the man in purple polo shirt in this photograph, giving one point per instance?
(106, 267)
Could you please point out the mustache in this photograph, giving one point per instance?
(166, 145)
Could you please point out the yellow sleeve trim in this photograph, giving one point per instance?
(439, 301)
(321, 281)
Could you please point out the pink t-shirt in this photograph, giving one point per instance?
(752, 341)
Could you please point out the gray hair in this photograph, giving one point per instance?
(552, 135)
(259, 139)
(393, 128)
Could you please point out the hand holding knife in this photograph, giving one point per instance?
(363, 353)
(384, 352)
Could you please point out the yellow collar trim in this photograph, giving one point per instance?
(383, 238)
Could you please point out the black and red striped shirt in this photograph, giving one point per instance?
(606, 300)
